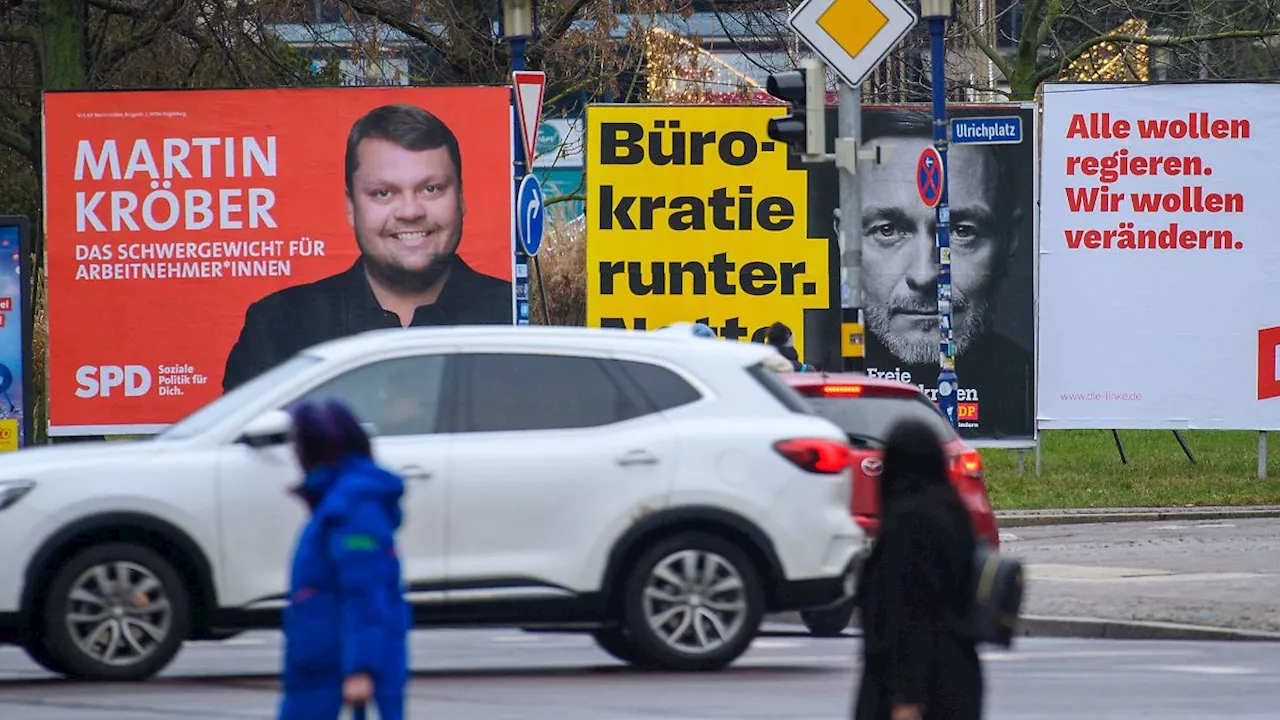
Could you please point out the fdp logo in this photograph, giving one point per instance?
(967, 411)
(1268, 363)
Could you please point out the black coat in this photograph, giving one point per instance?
(913, 596)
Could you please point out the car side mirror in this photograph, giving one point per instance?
(269, 428)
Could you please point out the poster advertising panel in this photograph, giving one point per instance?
(15, 333)
(1158, 281)
(694, 215)
(992, 186)
(197, 238)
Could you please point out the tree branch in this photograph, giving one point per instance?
(408, 28)
(19, 34)
(16, 142)
(119, 8)
(150, 31)
(570, 197)
(1051, 16)
(559, 27)
(13, 111)
(1075, 53)
(575, 87)
(994, 55)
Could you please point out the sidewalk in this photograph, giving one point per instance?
(1201, 568)
(1026, 518)
(1181, 573)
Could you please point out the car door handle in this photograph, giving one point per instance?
(637, 457)
(415, 473)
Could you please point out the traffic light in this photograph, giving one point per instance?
(804, 130)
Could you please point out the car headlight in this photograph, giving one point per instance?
(11, 491)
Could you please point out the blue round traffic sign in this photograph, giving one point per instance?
(530, 211)
(929, 176)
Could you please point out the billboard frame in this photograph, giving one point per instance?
(27, 318)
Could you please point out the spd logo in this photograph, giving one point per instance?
(112, 381)
(1268, 363)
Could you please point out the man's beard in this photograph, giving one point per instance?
(407, 280)
(924, 348)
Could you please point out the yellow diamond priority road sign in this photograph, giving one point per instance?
(853, 36)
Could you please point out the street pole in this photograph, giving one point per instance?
(937, 12)
(852, 336)
(517, 27)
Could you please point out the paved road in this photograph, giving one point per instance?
(1224, 572)
(505, 675)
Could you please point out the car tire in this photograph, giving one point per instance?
(39, 654)
(115, 612)
(696, 624)
(829, 622)
(618, 644)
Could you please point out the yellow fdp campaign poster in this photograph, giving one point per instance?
(694, 216)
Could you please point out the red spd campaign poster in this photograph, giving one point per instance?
(197, 238)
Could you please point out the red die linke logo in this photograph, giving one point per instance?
(1268, 363)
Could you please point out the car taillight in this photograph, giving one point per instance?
(967, 463)
(815, 455)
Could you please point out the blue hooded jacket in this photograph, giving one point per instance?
(347, 613)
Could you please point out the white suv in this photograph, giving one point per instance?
(660, 491)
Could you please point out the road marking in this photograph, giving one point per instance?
(516, 638)
(766, 644)
(231, 642)
(844, 660)
(1000, 656)
(1008, 537)
(1051, 571)
(1201, 577)
(1217, 525)
(1205, 669)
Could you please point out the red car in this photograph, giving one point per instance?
(866, 409)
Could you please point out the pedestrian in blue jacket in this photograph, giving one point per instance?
(346, 627)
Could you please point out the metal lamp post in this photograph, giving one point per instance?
(937, 12)
(517, 28)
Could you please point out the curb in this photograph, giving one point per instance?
(1032, 518)
(790, 624)
(1072, 627)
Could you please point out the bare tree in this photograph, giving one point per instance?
(1010, 48)
(113, 44)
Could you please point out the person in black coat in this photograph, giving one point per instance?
(919, 658)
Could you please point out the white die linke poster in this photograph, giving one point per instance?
(1159, 297)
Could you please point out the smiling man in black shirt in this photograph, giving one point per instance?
(405, 203)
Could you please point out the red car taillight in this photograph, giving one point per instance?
(967, 464)
(966, 476)
(815, 455)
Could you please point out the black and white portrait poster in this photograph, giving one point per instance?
(992, 198)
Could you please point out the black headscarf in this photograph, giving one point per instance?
(914, 461)
(914, 482)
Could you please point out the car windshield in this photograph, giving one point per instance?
(871, 418)
(213, 413)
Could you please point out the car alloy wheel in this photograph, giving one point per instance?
(115, 612)
(118, 613)
(695, 600)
